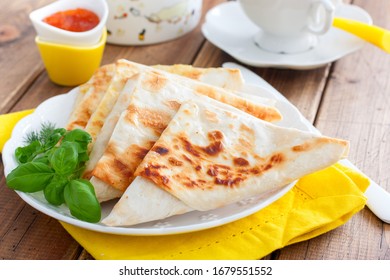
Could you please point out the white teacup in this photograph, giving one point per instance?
(289, 26)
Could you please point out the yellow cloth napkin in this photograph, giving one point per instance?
(7, 123)
(318, 203)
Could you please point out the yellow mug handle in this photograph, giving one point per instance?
(375, 35)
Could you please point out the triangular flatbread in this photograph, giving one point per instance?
(98, 113)
(110, 121)
(209, 157)
(96, 121)
(91, 93)
(230, 79)
(89, 97)
(143, 202)
(154, 101)
(211, 162)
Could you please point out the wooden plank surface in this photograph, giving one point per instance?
(19, 58)
(302, 88)
(348, 99)
(355, 107)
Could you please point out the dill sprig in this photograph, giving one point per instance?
(42, 136)
(47, 129)
(31, 137)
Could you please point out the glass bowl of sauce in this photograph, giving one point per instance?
(71, 22)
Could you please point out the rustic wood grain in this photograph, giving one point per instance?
(19, 58)
(302, 88)
(355, 107)
(25, 233)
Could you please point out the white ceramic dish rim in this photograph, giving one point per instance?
(208, 219)
(300, 61)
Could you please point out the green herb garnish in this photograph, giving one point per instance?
(53, 161)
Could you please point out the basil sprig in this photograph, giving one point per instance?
(53, 162)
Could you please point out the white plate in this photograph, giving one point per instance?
(57, 110)
(229, 29)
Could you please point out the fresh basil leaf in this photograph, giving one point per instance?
(52, 139)
(42, 158)
(49, 153)
(54, 191)
(77, 135)
(61, 131)
(83, 157)
(82, 139)
(27, 153)
(30, 177)
(82, 202)
(65, 159)
(81, 147)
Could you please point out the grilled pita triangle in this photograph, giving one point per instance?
(209, 157)
(211, 162)
(154, 101)
(144, 202)
(91, 93)
(89, 96)
(97, 119)
(230, 79)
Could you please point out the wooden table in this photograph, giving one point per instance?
(349, 99)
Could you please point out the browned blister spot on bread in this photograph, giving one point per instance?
(191, 73)
(240, 162)
(154, 82)
(173, 105)
(302, 147)
(209, 91)
(242, 170)
(174, 161)
(262, 112)
(117, 168)
(315, 143)
(211, 116)
(150, 118)
(213, 149)
(160, 150)
(152, 171)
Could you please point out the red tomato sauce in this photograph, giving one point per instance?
(77, 20)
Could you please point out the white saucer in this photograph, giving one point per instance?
(229, 29)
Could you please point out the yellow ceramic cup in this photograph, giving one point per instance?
(69, 65)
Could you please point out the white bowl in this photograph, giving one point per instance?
(144, 22)
(47, 32)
